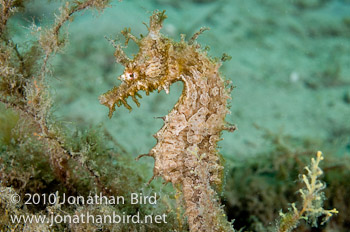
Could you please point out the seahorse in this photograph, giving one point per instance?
(186, 151)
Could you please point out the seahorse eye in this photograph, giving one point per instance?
(128, 76)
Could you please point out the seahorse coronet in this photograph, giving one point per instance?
(186, 151)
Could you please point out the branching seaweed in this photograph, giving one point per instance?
(312, 197)
(23, 86)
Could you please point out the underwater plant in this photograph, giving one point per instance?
(186, 151)
(23, 84)
(312, 197)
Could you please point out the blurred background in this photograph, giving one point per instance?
(290, 66)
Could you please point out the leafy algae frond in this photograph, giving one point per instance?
(313, 198)
(186, 151)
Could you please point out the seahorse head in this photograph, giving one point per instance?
(147, 70)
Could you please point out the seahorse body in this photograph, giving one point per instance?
(186, 150)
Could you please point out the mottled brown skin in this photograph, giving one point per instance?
(186, 150)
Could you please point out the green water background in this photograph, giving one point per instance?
(290, 66)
